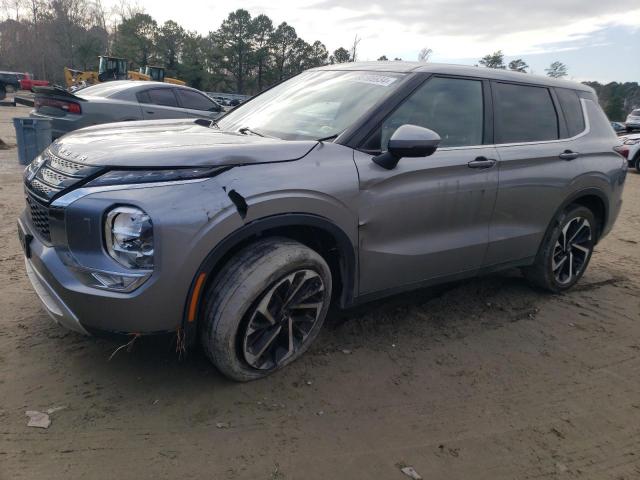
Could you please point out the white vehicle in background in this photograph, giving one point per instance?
(633, 120)
(631, 149)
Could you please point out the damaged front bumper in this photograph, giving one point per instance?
(53, 304)
(182, 213)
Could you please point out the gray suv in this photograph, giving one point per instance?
(343, 184)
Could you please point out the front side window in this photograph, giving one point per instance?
(524, 114)
(313, 105)
(572, 109)
(451, 107)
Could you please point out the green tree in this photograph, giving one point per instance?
(318, 54)
(383, 58)
(135, 40)
(556, 70)
(493, 60)
(341, 55)
(518, 65)
(282, 42)
(262, 30)
(169, 43)
(193, 65)
(235, 37)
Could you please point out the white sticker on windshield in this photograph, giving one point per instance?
(382, 80)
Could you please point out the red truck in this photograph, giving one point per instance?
(27, 82)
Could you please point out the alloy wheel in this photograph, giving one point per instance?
(283, 318)
(571, 251)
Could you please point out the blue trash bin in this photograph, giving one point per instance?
(33, 135)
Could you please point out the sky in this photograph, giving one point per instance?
(597, 39)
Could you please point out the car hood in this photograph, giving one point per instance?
(171, 143)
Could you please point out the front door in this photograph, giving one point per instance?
(429, 217)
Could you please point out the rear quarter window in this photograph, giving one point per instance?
(572, 110)
(194, 100)
(524, 113)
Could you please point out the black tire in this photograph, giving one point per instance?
(3, 91)
(636, 162)
(542, 273)
(252, 282)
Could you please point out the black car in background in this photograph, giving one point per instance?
(11, 80)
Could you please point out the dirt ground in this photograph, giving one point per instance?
(482, 379)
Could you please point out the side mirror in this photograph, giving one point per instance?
(408, 141)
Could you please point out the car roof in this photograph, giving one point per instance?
(115, 87)
(449, 69)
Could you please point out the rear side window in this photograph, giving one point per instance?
(524, 114)
(572, 109)
(160, 96)
(194, 100)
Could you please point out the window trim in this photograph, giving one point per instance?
(487, 118)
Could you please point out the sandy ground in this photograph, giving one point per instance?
(483, 379)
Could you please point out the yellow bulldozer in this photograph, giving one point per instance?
(157, 75)
(114, 68)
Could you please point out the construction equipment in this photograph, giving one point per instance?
(114, 68)
(157, 74)
(109, 68)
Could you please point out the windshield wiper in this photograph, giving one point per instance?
(245, 130)
(330, 137)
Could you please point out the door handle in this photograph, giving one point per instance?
(150, 111)
(481, 162)
(568, 155)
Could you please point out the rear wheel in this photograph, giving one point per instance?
(3, 91)
(265, 308)
(565, 252)
(636, 162)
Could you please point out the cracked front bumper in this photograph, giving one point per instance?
(53, 304)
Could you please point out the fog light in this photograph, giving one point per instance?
(114, 281)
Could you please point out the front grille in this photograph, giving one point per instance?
(42, 189)
(39, 217)
(56, 175)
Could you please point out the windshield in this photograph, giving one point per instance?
(312, 105)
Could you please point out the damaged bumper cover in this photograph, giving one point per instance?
(182, 214)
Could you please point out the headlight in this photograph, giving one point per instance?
(124, 177)
(631, 141)
(128, 233)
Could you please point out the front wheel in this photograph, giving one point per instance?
(265, 308)
(565, 252)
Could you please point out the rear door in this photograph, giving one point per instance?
(160, 103)
(429, 217)
(539, 158)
